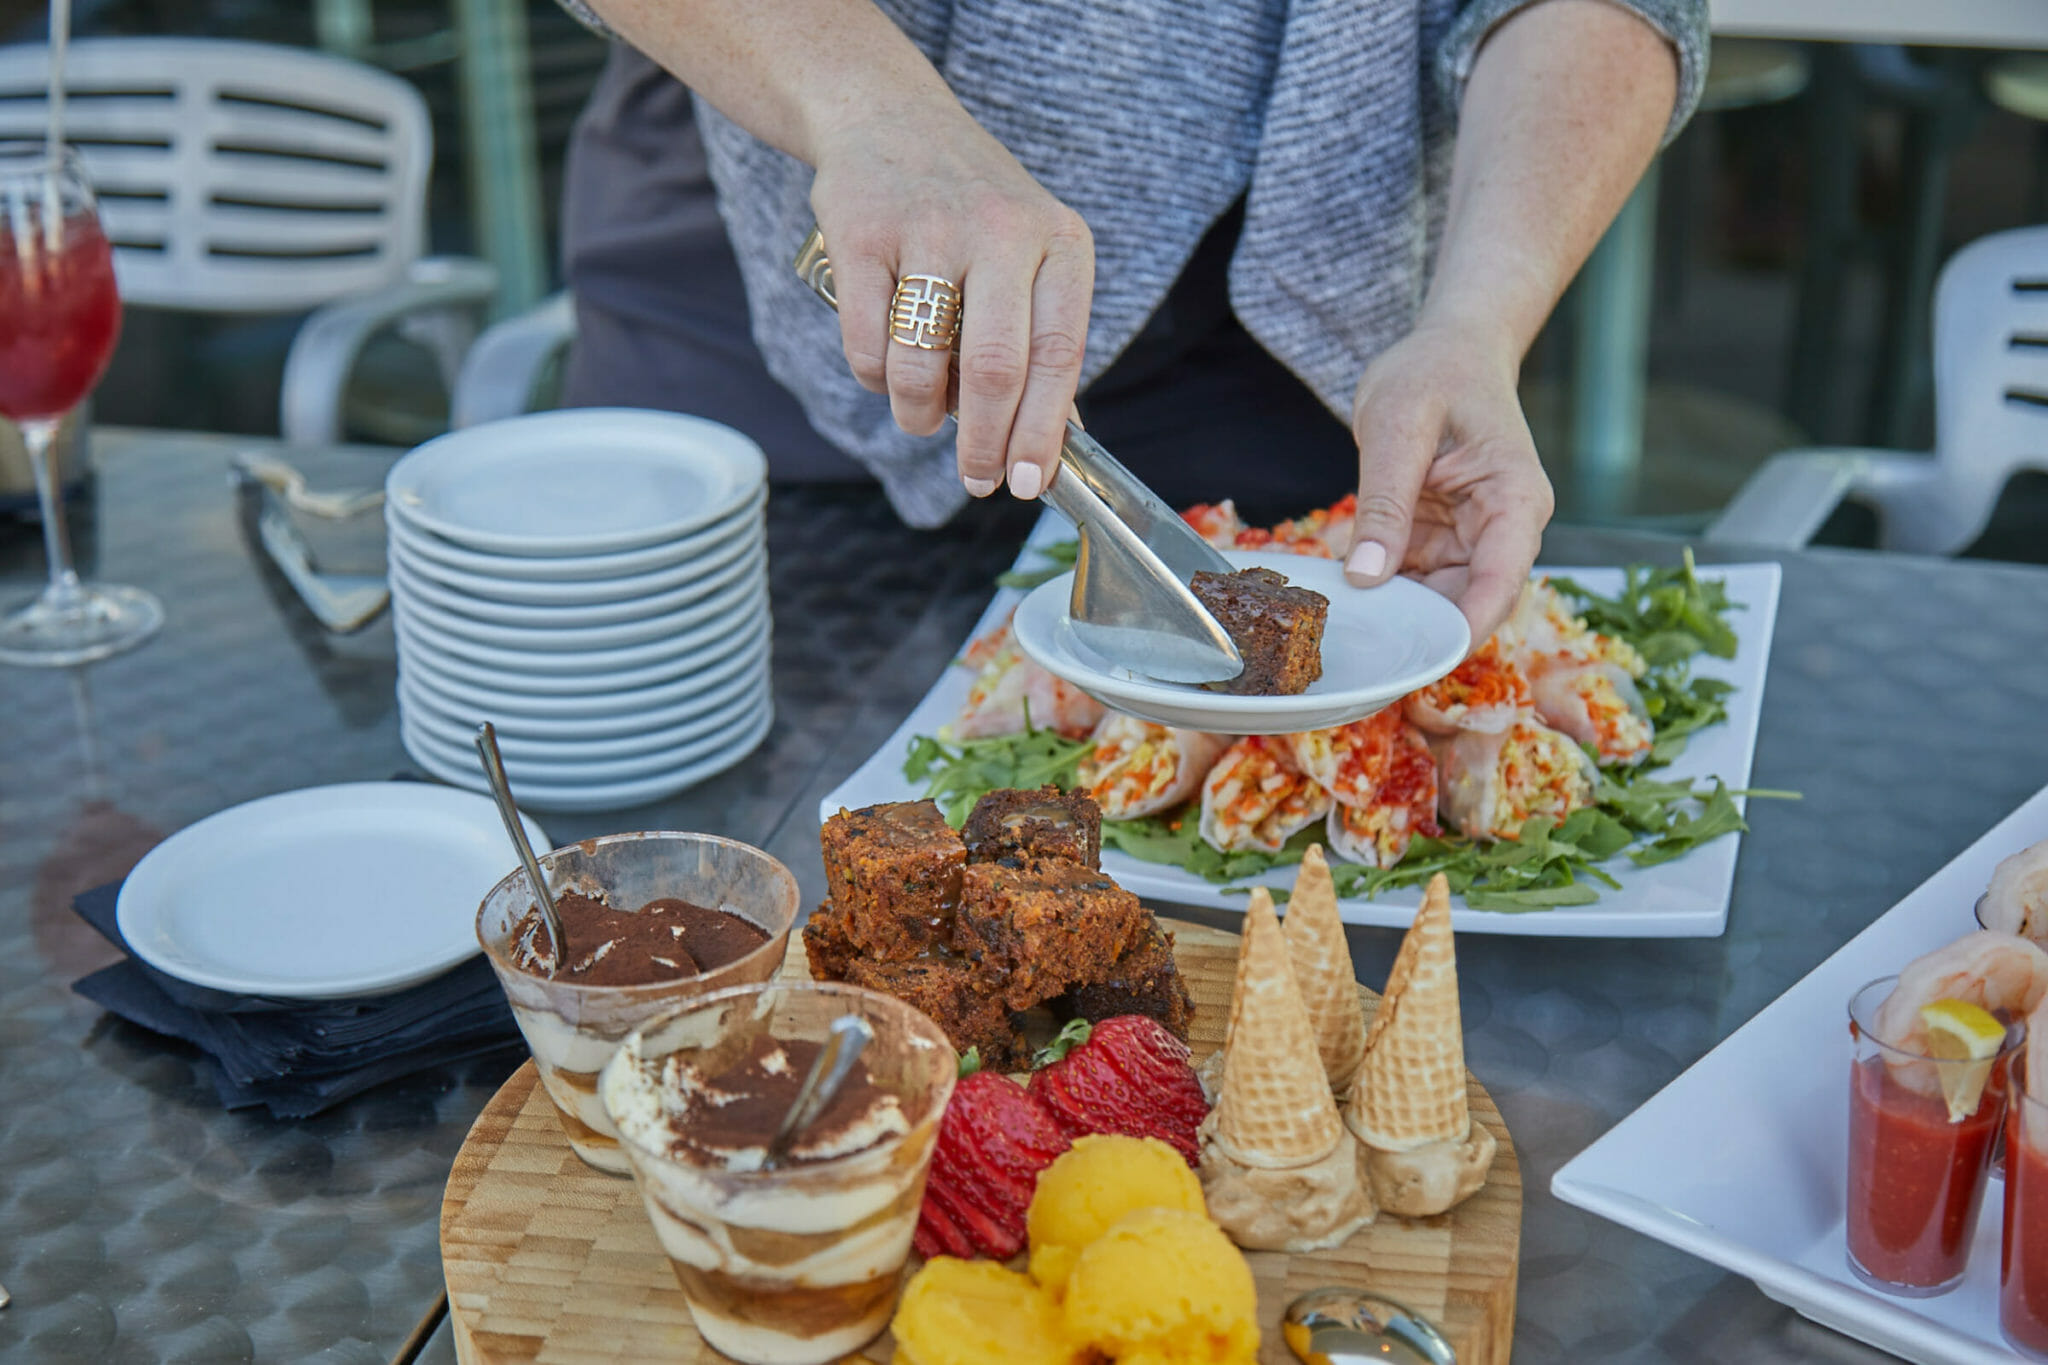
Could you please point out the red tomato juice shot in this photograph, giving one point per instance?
(59, 317)
(2023, 1263)
(1916, 1180)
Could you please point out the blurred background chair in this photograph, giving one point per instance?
(506, 371)
(1990, 420)
(240, 177)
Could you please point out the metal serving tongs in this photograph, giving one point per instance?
(1131, 602)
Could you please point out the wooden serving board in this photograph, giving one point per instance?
(548, 1260)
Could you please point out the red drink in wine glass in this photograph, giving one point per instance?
(59, 316)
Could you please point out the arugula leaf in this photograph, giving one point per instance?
(1059, 556)
(1176, 840)
(956, 775)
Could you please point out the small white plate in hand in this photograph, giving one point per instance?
(1379, 644)
(355, 889)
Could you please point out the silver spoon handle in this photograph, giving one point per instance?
(501, 792)
(850, 1034)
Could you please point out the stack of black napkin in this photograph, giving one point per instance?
(299, 1057)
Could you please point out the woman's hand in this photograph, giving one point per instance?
(1449, 487)
(927, 191)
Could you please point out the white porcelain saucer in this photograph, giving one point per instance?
(524, 748)
(605, 796)
(581, 769)
(419, 606)
(326, 892)
(1379, 644)
(600, 714)
(577, 481)
(687, 667)
(706, 635)
(587, 579)
(685, 584)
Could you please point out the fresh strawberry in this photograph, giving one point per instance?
(994, 1139)
(1124, 1075)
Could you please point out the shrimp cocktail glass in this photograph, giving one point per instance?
(651, 920)
(1927, 1093)
(59, 316)
(2023, 1264)
(795, 1262)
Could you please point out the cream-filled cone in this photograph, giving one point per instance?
(1274, 1108)
(1410, 1091)
(1322, 969)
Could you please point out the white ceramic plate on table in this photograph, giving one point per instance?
(355, 889)
(530, 751)
(414, 690)
(749, 584)
(691, 669)
(749, 607)
(601, 714)
(1758, 1187)
(1684, 898)
(615, 795)
(1379, 644)
(581, 581)
(578, 481)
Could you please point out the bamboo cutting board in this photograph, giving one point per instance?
(549, 1261)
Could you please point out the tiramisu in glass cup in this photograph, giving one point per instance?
(799, 1262)
(652, 919)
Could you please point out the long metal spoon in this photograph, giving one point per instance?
(501, 789)
(835, 1061)
(1354, 1326)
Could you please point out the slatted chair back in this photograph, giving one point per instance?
(237, 176)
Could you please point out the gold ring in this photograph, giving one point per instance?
(925, 313)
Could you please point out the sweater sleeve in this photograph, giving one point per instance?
(1683, 23)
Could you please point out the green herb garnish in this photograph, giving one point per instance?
(1059, 556)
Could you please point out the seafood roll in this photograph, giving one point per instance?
(1216, 522)
(1137, 768)
(1324, 533)
(1351, 760)
(2017, 899)
(1010, 693)
(1257, 797)
(1402, 801)
(1487, 692)
(1544, 627)
(1597, 704)
(1489, 784)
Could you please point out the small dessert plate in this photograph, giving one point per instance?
(317, 894)
(1379, 645)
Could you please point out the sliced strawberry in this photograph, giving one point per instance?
(1124, 1075)
(938, 1235)
(994, 1139)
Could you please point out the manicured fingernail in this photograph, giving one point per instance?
(1025, 481)
(1367, 558)
(979, 488)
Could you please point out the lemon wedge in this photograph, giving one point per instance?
(1959, 1031)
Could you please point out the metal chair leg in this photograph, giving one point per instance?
(1610, 371)
(504, 160)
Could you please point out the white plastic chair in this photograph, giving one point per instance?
(1990, 420)
(504, 367)
(252, 178)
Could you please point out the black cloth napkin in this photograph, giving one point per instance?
(299, 1057)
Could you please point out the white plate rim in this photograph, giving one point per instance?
(1933, 913)
(585, 662)
(1042, 630)
(582, 685)
(414, 689)
(680, 744)
(620, 796)
(738, 582)
(573, 582)
(607, 706)
(879, 778)
(734, 459)
(139, 904)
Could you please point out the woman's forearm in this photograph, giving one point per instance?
(1566, 104)
(792, 75)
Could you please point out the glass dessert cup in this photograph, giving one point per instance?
(1916, 1179)
(2023, 1259)
(572, 1029)
(799, 1263)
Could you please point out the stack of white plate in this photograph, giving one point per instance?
(593, 582)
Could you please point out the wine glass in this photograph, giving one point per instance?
(59, 317)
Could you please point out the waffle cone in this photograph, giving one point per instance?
(1274, 1109)
(1411, 1089)
(1322, 968)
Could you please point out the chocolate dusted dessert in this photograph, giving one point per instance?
(1045, 823)
(1278, 630)
(664, 940)
(893, 872)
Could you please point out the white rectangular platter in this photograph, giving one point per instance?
(1684, 898)
(1741, 1160)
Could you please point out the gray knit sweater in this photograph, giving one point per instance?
(1333, 119)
